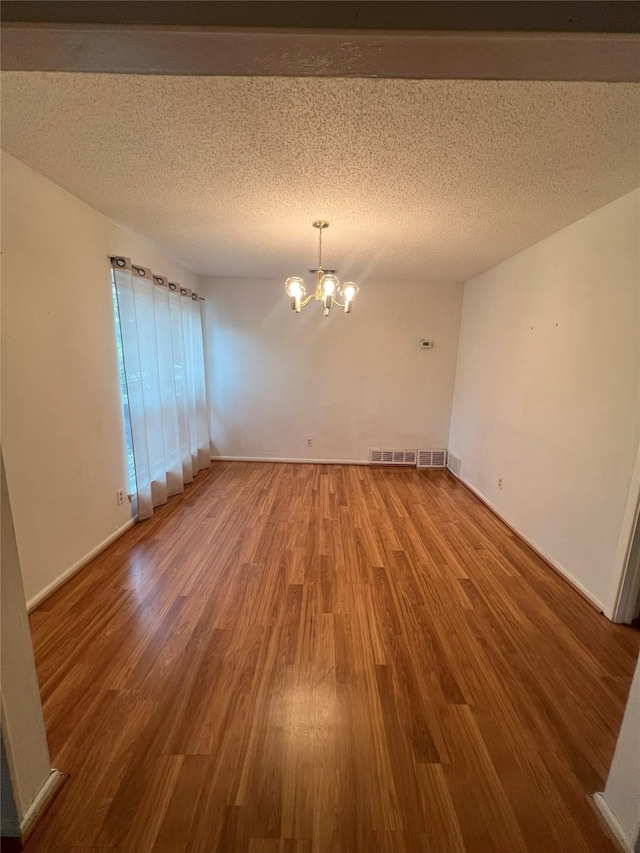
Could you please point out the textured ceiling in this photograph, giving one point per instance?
(419, 179)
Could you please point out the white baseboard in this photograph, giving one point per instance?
(546, 557)
(290, 459)
(39, 597)
(612, 822)
(53, 780)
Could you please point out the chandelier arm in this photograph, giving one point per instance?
(307, 300)
(337, 302)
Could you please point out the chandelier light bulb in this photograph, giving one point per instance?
(349, 291)
(294, 287)
(329, 284)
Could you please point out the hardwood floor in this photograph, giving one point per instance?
(297, 658)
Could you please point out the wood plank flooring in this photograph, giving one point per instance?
(326, 659)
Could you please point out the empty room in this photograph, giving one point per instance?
(320, 428)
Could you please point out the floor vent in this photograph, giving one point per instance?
(392, 457)
(454, 463)
(432, 458)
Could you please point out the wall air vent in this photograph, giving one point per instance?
(454, 463)
(392, 457)
(436, 458)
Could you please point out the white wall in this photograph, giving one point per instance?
(622, 791)
(547, 392)
(23, 734)
(9, 820)
(351, 382)
(62, 419)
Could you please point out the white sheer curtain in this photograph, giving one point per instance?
(161, 331)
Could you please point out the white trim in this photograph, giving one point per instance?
(612, 822)
(290, 459)
(53, 780)
(44, 593)
(549, 559)
(624, 588)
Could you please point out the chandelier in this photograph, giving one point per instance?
(328, 286)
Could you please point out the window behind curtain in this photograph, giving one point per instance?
(164, 396)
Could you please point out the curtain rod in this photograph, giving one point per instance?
(119, 262)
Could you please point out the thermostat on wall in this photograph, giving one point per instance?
(424, 344)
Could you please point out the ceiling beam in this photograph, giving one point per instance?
(234, 51)
(595, 41)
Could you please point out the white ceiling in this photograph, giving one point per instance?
(419, 179)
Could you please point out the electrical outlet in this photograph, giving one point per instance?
(120, 495)
(309, 442)
(499, 482)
